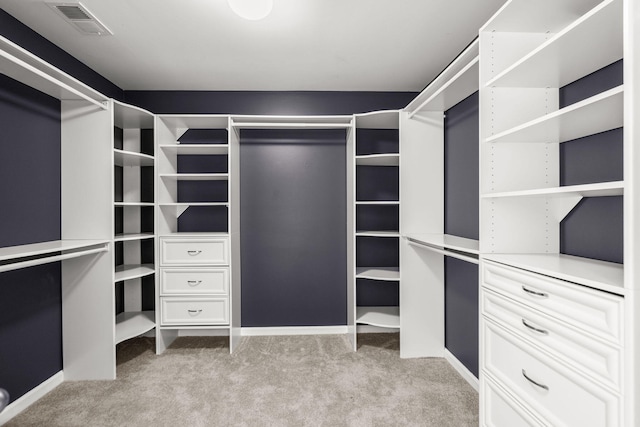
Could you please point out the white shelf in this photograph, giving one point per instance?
(140, 204)
(128, 272)
(447, 241)
(597, 114)
(196, 149)
(196, 234)
(562, 59)
(37, 249)
(614, 188)
(286, 122)
(133, 236)
(378, 160)
(391, 274)
(383, 202)
(458, 81)
(606, 276)
(384, 317)
(388, 119)
(129, 158)
(196, 176)
(195, 121)
(540, 16)
(378, 233)
(23, 66)
(133, 324)
(186, 204)
(130, 117)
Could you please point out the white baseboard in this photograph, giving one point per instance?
(462, 370)
(30, 397)
(295, 330)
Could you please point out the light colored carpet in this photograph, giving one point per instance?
(269, 381)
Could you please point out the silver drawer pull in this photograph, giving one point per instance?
(194, 253)
(533, 328)
(537, 384)
(194, 282)
(536, 293)
(194, 312)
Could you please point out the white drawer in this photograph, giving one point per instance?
(500, 410)
(593, 311)
(596, 358)
(194, 281)
(561, 396)
(194, 251)
(194, 311)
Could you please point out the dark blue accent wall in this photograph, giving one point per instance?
(461, 218)
(267, 102)
(293, 222)
(30, 299)
(25, 37)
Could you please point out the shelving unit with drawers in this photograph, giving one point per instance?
(557, 329)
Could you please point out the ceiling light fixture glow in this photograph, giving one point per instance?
(252, 10)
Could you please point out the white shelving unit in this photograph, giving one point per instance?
(527, 52)
(373, 145)
(134, 175)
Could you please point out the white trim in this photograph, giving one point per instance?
(462, 370)
(30, 397)
(295, 330)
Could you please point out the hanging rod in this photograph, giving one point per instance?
(49, 259)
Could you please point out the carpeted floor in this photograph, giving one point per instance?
(269, 381)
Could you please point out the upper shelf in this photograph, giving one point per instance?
(606, 276)
(540, 16)
(196, 176)
(601, 189)
(446, 241)
(287, 122)
(23, 66)
(195, 121)
(455, 83)
(561, 59)
(129, 117)
(130, 158)
(599, 113)
(378, 120)
(196, 149)
(378, 160)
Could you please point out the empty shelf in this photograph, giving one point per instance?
(196, 149)
(447, 241)
(378, 160)
(614, 188)
(129, 158)
(130, 324)
(196, 176)
(128, 272)
(133, 236)
(371, 233)
(384, 317)
(378, 273)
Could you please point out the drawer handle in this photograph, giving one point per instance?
(194, 253)
(194, 312)
(533, 328)
(536, 293)
(537, 384)
(194, 282)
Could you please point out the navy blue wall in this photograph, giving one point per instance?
(461, 218)
(30, 299)
(25, 37)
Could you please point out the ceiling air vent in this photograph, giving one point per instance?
(80, 18)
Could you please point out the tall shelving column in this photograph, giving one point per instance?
(529, 52)
(376, 220)
(194, 214)
(424, 244)
(134, 231)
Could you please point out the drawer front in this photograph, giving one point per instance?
(593, 311)
(561, 396)
(194, 251)
(500, 410)
(596, 358)
(194, 311)
(203, 281)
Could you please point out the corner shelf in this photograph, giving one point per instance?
(378, 160)
(383, 317)
(560, 60)
(446, 241)
(196, 149)
(130, 324)
(596, 114)
(133, 271)
(129, 158)
(132, 236)
(391, 274)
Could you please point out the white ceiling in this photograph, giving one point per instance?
(342, 45)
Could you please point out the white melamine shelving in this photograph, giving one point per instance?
(561, 59)
(383, 317)
(605, 276)
(10, 253)
(134, 204)
(372, 233)
(599, 113)
(196, 176)
(602, 189)
(134, 271)
(377, 202)
(287, 122)
(196, 149)
(391, 274)
(131, 324)
(446, 241)
(378, 160)
(130, 158)
(133, 236)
